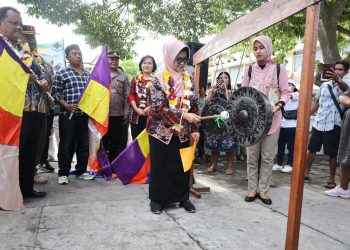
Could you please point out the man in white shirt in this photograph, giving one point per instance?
(326, 128)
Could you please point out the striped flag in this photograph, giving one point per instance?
(94, 101)
(133, 164)
(14, 75)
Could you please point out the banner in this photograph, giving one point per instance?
(53, 54)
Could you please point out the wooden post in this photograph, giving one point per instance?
(197, 77)
(302, 130)
(196, 192)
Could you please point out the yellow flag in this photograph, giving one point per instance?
(187, 156)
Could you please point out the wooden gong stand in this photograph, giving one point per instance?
(259, 19)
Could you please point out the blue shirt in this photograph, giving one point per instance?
(327, 114)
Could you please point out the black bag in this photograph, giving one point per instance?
(290, 114)
(336, 103)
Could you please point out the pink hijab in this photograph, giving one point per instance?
(266, 41)
(170, 51)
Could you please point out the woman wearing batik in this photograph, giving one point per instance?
(224, 142)
(271, 80)
(139, 97)
(172, 122)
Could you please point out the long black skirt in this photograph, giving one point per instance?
(168, 182)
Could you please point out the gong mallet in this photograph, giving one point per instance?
(224, 115)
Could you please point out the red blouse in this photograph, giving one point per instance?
(140, 93)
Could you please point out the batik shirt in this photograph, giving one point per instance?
(35, 100)
(161, 118)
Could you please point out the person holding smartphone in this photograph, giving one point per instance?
(326, 128)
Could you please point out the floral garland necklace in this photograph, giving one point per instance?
(142, 88)
(38, 58)
(178, 103)
(22, 50)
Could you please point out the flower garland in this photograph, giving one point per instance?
(23, 52)
(142, 87)
(27, 58)
(175, 102)
(38, 58)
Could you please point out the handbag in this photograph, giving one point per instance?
(290, 114)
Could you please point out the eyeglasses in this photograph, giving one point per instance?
(180, 60)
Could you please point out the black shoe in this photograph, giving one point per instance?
(47, 166)
(188, 206)
(250, 198)
(35, 194)
(267, 201)
(156, 208)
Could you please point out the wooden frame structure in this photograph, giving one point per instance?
(250, 24)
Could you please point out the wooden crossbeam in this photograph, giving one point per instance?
(250, 24)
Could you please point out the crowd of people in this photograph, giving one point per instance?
(165, 103)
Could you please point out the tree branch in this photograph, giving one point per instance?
(339, 7)
(343, 30)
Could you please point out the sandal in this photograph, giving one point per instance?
(211, 169)
(241, 158)
(330, 185)
(229, 171)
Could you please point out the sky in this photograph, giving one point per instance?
(49, 32)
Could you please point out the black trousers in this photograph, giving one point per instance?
(31, 145)
(201, 142)
(45, 153)
(136, 129)
(116, 138)
(74, 138)
(287, 136)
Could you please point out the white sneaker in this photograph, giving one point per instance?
(338, 192)
(62, 180)
(277, 167)
(85, 176)
(287, 169)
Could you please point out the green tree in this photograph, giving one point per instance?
(130, 68)
(118, 22)
(107, 23)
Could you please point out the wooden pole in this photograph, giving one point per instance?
(302, 130)
(197, 77)
(198, 190)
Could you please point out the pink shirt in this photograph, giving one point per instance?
(265, 80)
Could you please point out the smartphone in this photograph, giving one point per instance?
(326, 67)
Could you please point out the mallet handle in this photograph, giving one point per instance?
(208, 117)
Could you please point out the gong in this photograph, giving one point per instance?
(250, 116)
(213, 107)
